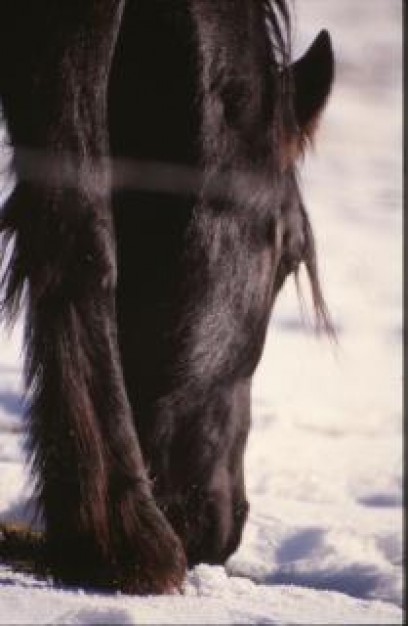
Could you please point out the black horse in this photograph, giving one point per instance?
(156, 216)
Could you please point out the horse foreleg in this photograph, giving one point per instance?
(102, 525)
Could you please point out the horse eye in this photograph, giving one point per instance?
(293, 251)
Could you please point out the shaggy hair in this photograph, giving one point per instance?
(147, 307)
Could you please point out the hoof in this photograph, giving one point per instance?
(143, 555)
(22, 548)
(149, 556)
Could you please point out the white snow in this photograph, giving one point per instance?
(323, 544)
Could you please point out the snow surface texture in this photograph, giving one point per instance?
(323, 544)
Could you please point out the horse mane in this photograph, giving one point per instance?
(278, 23)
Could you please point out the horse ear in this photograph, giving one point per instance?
(313, 76)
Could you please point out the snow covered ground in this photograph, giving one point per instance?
(323, 544)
